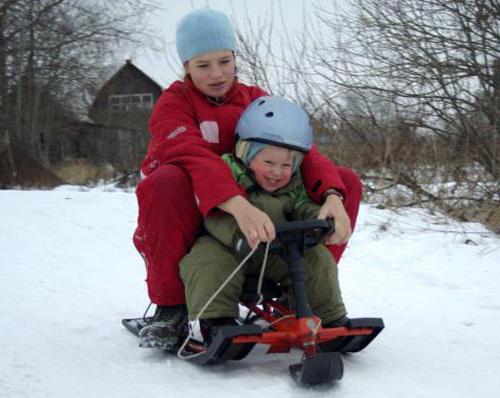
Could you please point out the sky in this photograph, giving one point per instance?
(156, 63)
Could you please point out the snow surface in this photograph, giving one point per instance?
(69, 273)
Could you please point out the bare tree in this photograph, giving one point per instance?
(434, 60)
(419, 86)
(50, 51)
(409, 91)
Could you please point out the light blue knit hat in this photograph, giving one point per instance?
(203, 31)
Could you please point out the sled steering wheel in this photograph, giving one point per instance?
(302, 234)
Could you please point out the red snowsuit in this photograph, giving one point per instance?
(186, 179)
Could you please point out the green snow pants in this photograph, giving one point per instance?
(209, 263)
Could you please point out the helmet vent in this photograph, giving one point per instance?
(269, 114)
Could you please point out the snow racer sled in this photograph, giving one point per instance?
(283, 328)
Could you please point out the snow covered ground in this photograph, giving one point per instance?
(69, 273)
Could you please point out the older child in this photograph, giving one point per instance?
(274, 134)
(192, 124)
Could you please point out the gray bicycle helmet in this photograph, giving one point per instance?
(276, 121)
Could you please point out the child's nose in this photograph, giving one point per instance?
(216, 71)
(277, 171)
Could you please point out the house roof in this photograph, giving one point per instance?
(127, 66)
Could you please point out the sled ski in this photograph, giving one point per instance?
(223, 347)
(300, 329)
(134, 325)
(357, 342)
(354, 337)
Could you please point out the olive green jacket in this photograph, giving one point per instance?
(289, 203)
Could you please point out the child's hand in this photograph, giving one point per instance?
(254, 223)
(334, 208)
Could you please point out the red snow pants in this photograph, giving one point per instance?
(169, 222)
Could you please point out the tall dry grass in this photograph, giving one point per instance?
(82, 172)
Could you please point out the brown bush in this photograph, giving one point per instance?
(82, 172)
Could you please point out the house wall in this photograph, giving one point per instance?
(126, 99)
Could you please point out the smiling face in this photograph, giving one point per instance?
(273, 167)
(212, 73)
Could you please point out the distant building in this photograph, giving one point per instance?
(126, 99)
(117, 132)
(120, 111)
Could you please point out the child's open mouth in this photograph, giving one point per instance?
(218, 86)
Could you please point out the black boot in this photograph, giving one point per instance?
(167, 329)
(210, 327)
(342, 321)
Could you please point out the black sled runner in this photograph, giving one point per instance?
(286, 329)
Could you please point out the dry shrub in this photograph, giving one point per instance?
(487, 214)
(402, 168)
(19, 169)
(82, 172)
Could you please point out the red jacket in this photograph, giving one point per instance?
(189, 130)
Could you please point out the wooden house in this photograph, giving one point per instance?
(122, 108)
(128, 95)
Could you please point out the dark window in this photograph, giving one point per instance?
(125, 102)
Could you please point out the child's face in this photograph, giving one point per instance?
(272, 167)
(212, 73)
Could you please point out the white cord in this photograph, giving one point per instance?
(261, 276)
(240, 265)
(280, 319)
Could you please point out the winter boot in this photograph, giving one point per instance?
(334, 345)
(210, 327)
(342, 321)
(168, 327)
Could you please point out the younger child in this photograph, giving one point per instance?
(274, 133)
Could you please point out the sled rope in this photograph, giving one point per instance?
(222, 286)
(147, 310)
(261, 276)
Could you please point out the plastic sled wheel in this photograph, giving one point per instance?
(322, 368)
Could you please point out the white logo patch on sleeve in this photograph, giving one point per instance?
(210, 131)
(176, 132)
